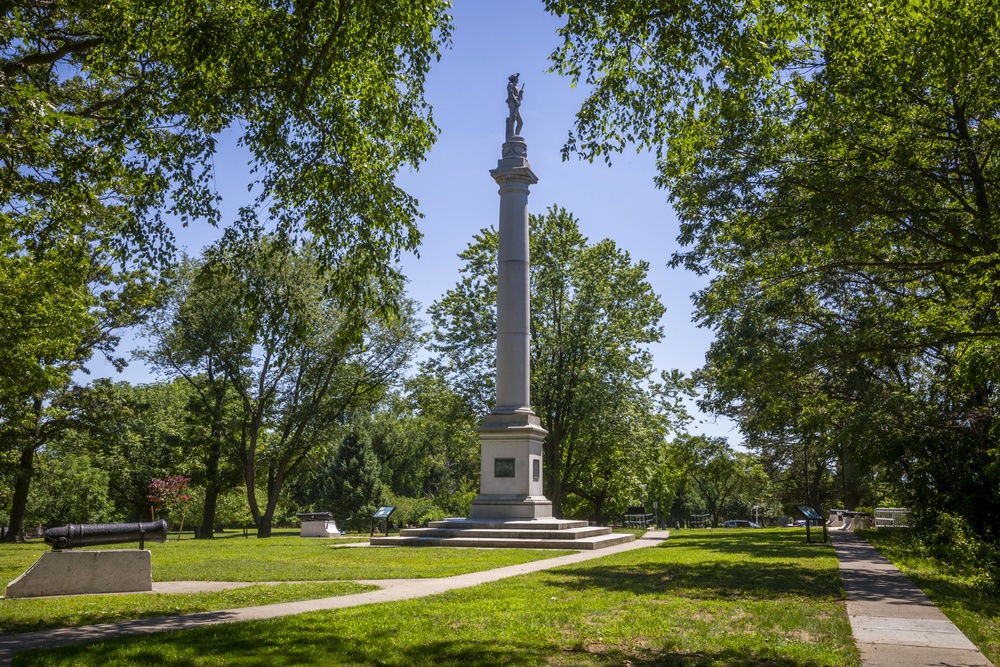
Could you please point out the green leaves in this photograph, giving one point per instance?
(111, 109)
(277, 362)
(593, 314)
(833, 166)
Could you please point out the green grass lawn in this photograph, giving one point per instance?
(737, 598)
(293, 559)
(27, 615)
(977, 614)
(290, 559)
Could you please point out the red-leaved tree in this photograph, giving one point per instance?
(168, 492)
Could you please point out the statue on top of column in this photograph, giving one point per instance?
(514, 97)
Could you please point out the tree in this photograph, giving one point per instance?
(426, 442)
(719, 478)
(112, 112)
(44, 303)
(833, 166)
(63, 301)
(289, 352)
(593, 313)
(191, 331)
(133, 433)
(166, 492)
(716, 470)
(347, 483)
(69, 488)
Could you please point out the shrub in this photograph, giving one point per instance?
(949, 538)
(414, 511)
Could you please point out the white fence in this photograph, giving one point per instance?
(893, 517)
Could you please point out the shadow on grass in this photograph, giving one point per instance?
(248, 647)
(772, 566)
(770, 543)
(719, 580)
(950, 593)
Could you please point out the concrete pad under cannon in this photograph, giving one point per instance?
(85, 572)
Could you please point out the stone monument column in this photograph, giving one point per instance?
(511, 435)
(511, 510)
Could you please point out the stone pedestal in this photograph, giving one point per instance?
(510, 470)
(85, 572)
(319, 529)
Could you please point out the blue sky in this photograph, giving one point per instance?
(467, 89)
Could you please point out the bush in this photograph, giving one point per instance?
(949, 538)
(414, 511)
(457, 502)
(68, 488)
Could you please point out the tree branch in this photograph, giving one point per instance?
(52, 56)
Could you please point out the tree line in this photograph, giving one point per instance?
(273, 400)
(275, 395)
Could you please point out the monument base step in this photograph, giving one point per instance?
(568, 534)
(507, 534)
(509, 524)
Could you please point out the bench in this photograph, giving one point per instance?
(636, 517)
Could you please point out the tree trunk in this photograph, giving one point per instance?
(598, 508)
(206, 530)
(849, 478)
(554, 474)
(274, 482)
(19, 504)
(264, 527)
(815, 481)
(212, 489)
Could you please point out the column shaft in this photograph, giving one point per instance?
(513, 299)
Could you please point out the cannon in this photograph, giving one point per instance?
(88, 535)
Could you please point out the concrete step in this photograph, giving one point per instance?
(582, 544)
(515, 524)
(567, 534)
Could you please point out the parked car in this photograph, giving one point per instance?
(740, 523)
(802, 522)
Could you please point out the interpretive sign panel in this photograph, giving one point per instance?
(809, 512)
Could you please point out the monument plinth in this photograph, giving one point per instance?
(511, 510)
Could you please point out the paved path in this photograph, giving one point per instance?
(390, 591)
(894, 623)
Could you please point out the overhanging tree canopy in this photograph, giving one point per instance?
(109, 116)
(111, 109)
(834, 167)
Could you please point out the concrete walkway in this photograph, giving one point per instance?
(391, 590)
(894, 623)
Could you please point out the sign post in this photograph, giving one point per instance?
(812, 515)
(382, 515)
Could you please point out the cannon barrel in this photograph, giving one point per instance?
(95, 534)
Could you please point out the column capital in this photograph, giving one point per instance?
(514, 174)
